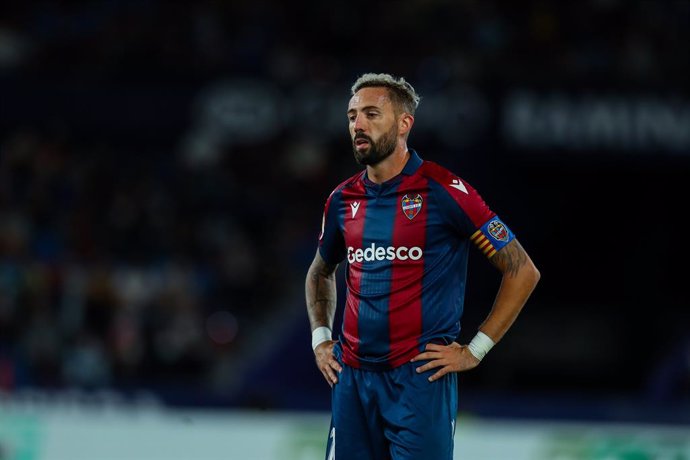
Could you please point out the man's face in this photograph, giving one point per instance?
(373, 125)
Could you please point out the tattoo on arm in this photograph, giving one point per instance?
(510, 259)
(321, 293)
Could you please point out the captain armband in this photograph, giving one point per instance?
(492, 236)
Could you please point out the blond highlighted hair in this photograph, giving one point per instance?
(402, 94)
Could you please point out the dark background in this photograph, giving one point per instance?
(163, 169)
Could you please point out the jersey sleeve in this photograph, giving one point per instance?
(471, 217)
(331, 241)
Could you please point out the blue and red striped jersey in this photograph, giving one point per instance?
(406, 245)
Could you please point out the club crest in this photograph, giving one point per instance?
(498, 230)
(411, 206)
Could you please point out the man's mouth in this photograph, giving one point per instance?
(361, 142)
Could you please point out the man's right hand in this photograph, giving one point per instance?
(326, 362)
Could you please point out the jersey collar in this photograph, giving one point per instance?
(413, 163)
(411, 167)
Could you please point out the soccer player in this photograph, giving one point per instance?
(405, 226)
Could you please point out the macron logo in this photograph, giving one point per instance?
(355, 208)
(457, 184)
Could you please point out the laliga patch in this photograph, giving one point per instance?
(411, 206)
(492, 237)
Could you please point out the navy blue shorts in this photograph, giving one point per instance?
(395, 414)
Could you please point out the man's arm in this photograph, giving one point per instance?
(321, 296)
(520, 277)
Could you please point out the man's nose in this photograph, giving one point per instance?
(359, 124)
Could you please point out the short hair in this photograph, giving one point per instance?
(401, 92)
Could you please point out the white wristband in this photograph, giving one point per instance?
(319, 336)
(480, 345)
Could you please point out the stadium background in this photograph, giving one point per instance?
(163, 169)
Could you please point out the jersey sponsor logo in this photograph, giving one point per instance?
(355, 207)
(457, 184)
(380, 253)
(411, 206)
(498, 231)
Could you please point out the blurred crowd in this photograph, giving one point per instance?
(123, 265)
(443, 39)
(109, 268)
(133, 269)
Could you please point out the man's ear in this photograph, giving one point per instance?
(405, 123)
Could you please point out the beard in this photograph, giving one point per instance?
(377, 151)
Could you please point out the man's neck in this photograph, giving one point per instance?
(390, 167)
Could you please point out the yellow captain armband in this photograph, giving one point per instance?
(492, 237)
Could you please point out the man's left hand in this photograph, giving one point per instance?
(450, 358)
